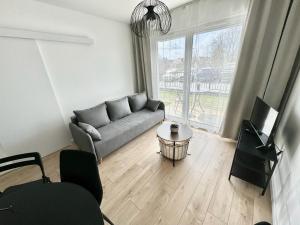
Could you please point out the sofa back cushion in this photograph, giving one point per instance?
(118, 109)
(137, 102)
(95, 116)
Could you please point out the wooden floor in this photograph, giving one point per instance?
(141, 187)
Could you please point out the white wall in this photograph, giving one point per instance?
(286, 179)
(285, 183)
(42, 82)
(30, 118)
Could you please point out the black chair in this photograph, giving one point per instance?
(81, 168)
(21, 160)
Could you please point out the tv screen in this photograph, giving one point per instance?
(263, 117)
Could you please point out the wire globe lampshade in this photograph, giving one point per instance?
(149, 17)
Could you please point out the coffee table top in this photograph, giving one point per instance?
(184, 132)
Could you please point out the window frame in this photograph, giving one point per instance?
(188, 34)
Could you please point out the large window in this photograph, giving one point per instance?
(195, 72)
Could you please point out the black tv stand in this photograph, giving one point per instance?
(252, 164)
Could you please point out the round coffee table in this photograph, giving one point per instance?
(174, 146)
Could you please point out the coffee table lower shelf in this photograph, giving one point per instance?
(173, 150)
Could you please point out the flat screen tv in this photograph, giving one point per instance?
(263, 118)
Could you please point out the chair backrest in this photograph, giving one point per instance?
(81, 168)
(21, 160)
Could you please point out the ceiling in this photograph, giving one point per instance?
(119, 10)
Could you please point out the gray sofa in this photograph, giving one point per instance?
(126, 118)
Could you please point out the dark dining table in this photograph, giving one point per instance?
(49, 204)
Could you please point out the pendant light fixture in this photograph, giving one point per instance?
(149, 17)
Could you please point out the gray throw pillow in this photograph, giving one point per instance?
(137, 102)
(96, 116)
(118, 109)
(96, 136)
(152, 104)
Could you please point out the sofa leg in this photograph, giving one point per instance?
(99, 161)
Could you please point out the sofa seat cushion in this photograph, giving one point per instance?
(118, 109)
(95, 116)
(120, 132)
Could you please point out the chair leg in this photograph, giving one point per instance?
(46, 179)
(107, 220)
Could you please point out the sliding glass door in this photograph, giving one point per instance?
(171, 63)
(214, 57)
(195, 72)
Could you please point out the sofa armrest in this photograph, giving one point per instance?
(161, 106)
(82, 139)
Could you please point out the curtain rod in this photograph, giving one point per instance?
(185, 4)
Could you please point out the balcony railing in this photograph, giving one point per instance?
(208, 96)
(175, 81)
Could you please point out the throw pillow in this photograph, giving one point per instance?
(137, 102)
(96, 136)
(118, 109)
(152, 105)
(96, 116)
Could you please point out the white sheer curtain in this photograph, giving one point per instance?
(207, 13)
(193, 66)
